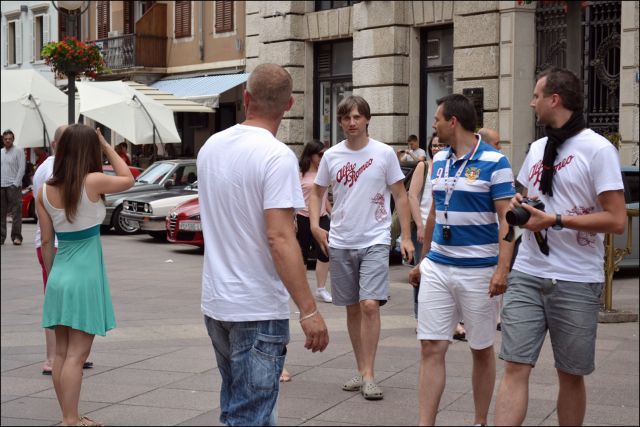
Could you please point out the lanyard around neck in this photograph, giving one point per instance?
(449, 187)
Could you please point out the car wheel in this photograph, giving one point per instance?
(123, 225)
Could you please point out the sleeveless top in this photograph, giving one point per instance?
(427, 196)
(89, 214)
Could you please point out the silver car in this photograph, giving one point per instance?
(161, 175)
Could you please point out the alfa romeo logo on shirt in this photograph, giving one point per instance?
(472, 173)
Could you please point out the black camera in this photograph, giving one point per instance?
(519, 216)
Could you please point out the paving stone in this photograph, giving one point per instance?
(105, 393)
(42, 409)
(142, 415)
(177, 399)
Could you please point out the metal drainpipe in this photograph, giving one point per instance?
(201, 41)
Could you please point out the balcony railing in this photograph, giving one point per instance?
(147, 47)
(119, 51)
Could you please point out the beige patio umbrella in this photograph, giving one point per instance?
(135, 116)
(32, 107)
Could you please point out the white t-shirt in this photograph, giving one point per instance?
(361, 196)
(42, 174)
(414, 155)
(242, 171)
(586, 165)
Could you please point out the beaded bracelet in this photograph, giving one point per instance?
(308, 316)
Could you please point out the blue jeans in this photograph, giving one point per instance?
(250, 358)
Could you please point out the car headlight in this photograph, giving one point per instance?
(125, 205)
(147, 208)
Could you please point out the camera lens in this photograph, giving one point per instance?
(517, 217)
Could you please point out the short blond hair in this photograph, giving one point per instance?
(270, 88)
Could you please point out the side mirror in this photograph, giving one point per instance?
(169, 183)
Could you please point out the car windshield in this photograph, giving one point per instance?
(155, 173)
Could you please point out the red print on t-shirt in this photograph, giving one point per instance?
(536, 170)
(350, 174)
(381, 212)
(584, 238)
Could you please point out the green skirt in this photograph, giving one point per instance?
(77, 292)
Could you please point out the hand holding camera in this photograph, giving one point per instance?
(528, 214)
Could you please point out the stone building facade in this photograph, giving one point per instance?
(399, 49)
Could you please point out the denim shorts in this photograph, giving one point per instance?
(359, 274)
(568, 310)
(250, 358)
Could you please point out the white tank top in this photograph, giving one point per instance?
(88, 214)
(427, 195)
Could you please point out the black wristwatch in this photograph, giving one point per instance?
(558, 225)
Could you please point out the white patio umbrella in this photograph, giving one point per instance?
(32, 107)
(135, 116)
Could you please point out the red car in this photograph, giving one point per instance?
(29, 203)
(183, 224)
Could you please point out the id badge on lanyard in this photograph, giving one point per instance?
(449, 187)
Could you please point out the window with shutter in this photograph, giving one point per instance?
(183, 18)
(65, 27)
(224, 16)
(103, 19)
(129, 22)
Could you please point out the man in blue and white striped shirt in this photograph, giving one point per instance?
(467, 263)
(13, 164)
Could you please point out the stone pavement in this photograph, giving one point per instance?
(157, 367)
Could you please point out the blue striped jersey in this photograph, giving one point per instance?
(472, 217)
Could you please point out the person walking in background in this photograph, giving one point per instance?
(13, 167)
(459, 277)
(491, 137)
(414, 153)
(41, 155)
(77, 303)
(42, 174)
(363, 173)
(247, 280)
(309, 162)
(556, 287)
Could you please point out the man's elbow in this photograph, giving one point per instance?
(620, 225)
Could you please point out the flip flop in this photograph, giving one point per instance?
(460, 337)
(87, 365)
(47, 372)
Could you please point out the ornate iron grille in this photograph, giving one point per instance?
(601, 65)
(600, 71)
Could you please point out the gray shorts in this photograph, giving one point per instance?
(569, 310)
(359, 274)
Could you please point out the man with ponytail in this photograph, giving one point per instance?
(576, 174)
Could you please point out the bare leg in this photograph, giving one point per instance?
(572, 399)
(370, 335)
(513, 395)
(71, 376)
(62, 342)
(354, 323)
(322, 272)
(483, 380)
(50, 340)
(432, 379)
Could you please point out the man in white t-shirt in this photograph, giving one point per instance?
(414, 153)
(249, 187)
(557, 279)
(363, 173)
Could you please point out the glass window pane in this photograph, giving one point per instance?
(439, 49)
(342, 58)
(439, 84)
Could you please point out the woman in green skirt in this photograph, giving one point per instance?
(77, 302)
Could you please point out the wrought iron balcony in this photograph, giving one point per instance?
(119, 51)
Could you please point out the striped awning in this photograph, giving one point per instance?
(175, 103)
(205, 89)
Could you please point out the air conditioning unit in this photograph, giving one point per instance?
(113, 34)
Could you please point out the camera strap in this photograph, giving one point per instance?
(542, 242)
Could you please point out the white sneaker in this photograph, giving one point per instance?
(323, 295)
